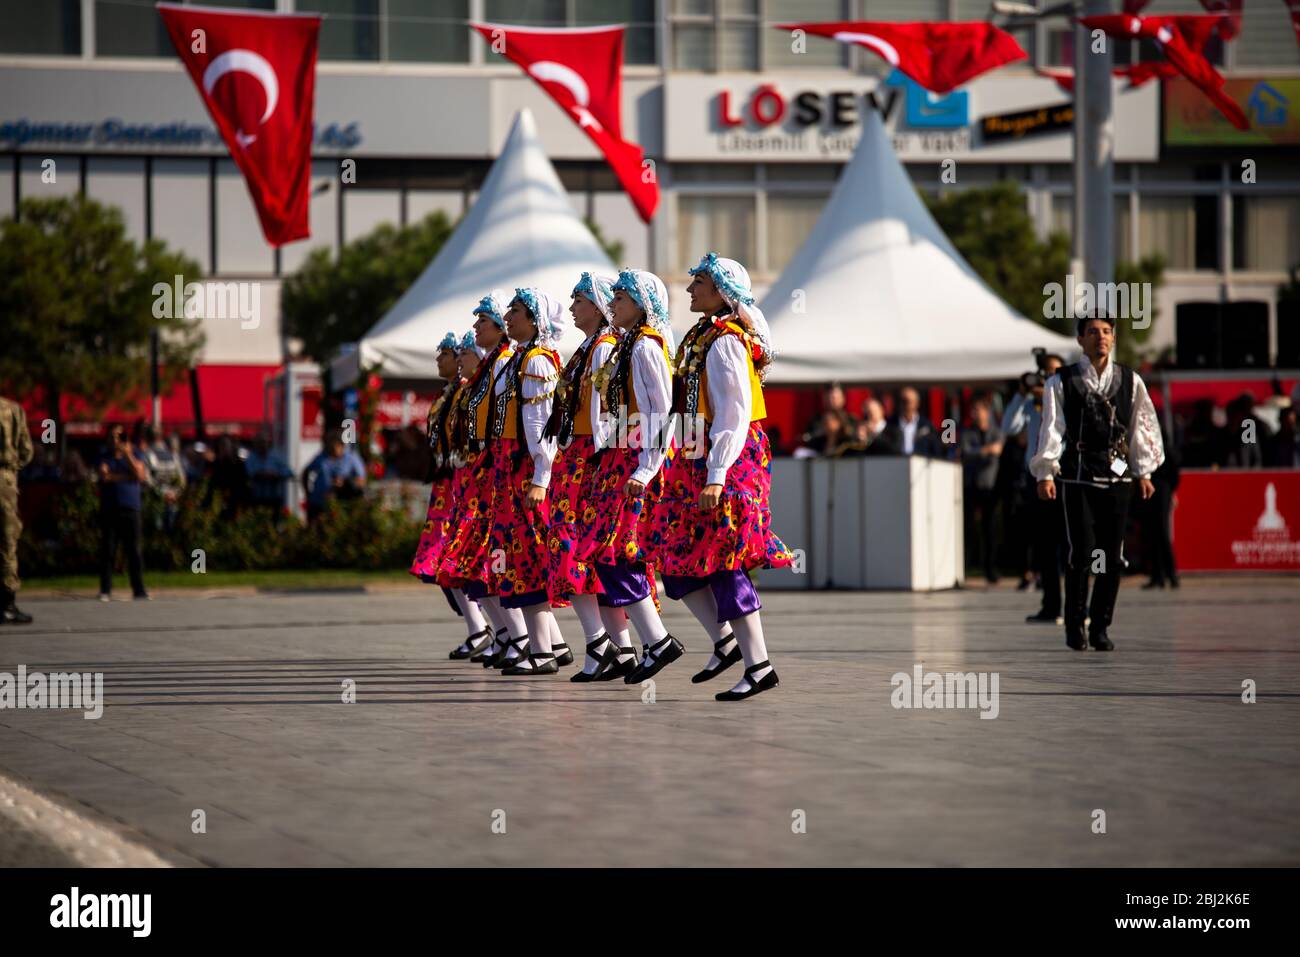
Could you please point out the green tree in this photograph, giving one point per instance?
(329, 302)
(77, 306)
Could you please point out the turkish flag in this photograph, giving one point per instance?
(256, 74)
(939, 56)
(1196, 30)
(1230, 24)
(1187, 61)
(582, 70)
(1294, 7)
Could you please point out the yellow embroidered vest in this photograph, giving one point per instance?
(758, 408)
(510, 415)
(484, 403)
(582, 421)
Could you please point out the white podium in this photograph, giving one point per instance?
(873, 522)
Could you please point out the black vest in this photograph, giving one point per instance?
(1096, 426)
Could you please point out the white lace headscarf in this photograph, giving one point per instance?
(598, 290)
(732, 280)
(548, 313)
(649, 292)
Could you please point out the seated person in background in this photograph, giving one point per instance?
(337, 472)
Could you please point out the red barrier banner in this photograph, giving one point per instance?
(1238, 520)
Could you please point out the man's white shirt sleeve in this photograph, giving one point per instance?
(1051, 431)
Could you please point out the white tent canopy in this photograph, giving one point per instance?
(521, 231)
(877, 293)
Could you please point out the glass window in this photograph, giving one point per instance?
(739, 45)
(803, 172)
(430, 31)
(1061, 220)
(790, 218)
(180, 207)
(48, 27)
(130, 28)
(241, 247)
(6, 186)
(639, 17)
(702, 8)
(546, 13)
(1266, 233)
(365, 209)
(322, 216)
(1167, 225)
(692, 47)
(1266, 38)
(724, 224)
(349, 30)
(819, 53)
(714, 172)
(119, 182)
(32, 176)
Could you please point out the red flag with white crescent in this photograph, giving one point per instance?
(1187, 61)
(938, 56)
(581, 69)
(256, 74)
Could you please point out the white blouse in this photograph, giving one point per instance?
(652, 384)
(1145, 449)
(727, 363)
(600, 428)
(537, 378)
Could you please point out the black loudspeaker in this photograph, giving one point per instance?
(1288, 334)
(1243, 334)
(1197, 326)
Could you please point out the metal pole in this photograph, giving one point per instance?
(1095, 165)
(154, 383)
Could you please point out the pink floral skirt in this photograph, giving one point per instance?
(613, 526)
(435, 527)
(571, 481)
(737, 535)
(471, 500)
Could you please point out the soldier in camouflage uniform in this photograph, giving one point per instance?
(15, 453)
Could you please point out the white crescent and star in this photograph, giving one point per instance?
(256, 66)
(548, 71)
(880, 45)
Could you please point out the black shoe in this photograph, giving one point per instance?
(602, 661)
(768, 681)
(487, 649)
(1043, 617)
(13, 616)
(563, 655)
(1025, 584)
(498, 660)
(624, 663)
(1173, 581)
(472, 645)
(664, 652)
(1100, 641)
(542, 663)
(1153, 584)
(724, 661)
(1074, 638)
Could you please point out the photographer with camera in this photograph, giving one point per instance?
(1099, 433)
(1044, 525)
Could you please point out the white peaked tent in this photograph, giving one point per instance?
(521, 231)
(877, 293)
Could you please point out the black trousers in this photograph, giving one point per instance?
(1095, 518)
(981, 512)
(1156, 534)
(1047, 528)
(120, 524)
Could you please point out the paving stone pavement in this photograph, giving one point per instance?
(234, 707)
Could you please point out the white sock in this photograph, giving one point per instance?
(615, 623)
(588, 610)
(513, 619)
(749, 632)
(647, 621)
(705, 609)
(493, 612)
(541, 621)
(557, 637)
(474, 622)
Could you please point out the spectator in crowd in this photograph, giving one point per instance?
(336, 473)
(981, 450)
(166, 474)
(1023, 416)
(1282, 450)
(909, 432)
(267, 473)
(833, 434)
(229, 478)
(1202, 439)
(1245, 435)
(44, 467)
(15, 454)
(120, 474)
(865, 439)
(1157, 517)
(834, 416)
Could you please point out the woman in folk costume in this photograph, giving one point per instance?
(440, 498)
(635, 381)
(485, 349)
(516, 556)
(579, 429)
(713, 522)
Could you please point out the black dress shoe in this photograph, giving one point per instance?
(765, 683)
(1173, 581)
(487, 649)
(1043, 617)
(663, 653)
(624, 664)
(724, 661)
(1074, 639)
(602, 660)
(13, 616)
(500, 660)
(472, 645)
(563, 654)
(1100, 641)
(542, 663)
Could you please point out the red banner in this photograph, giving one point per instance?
(1238, 520)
